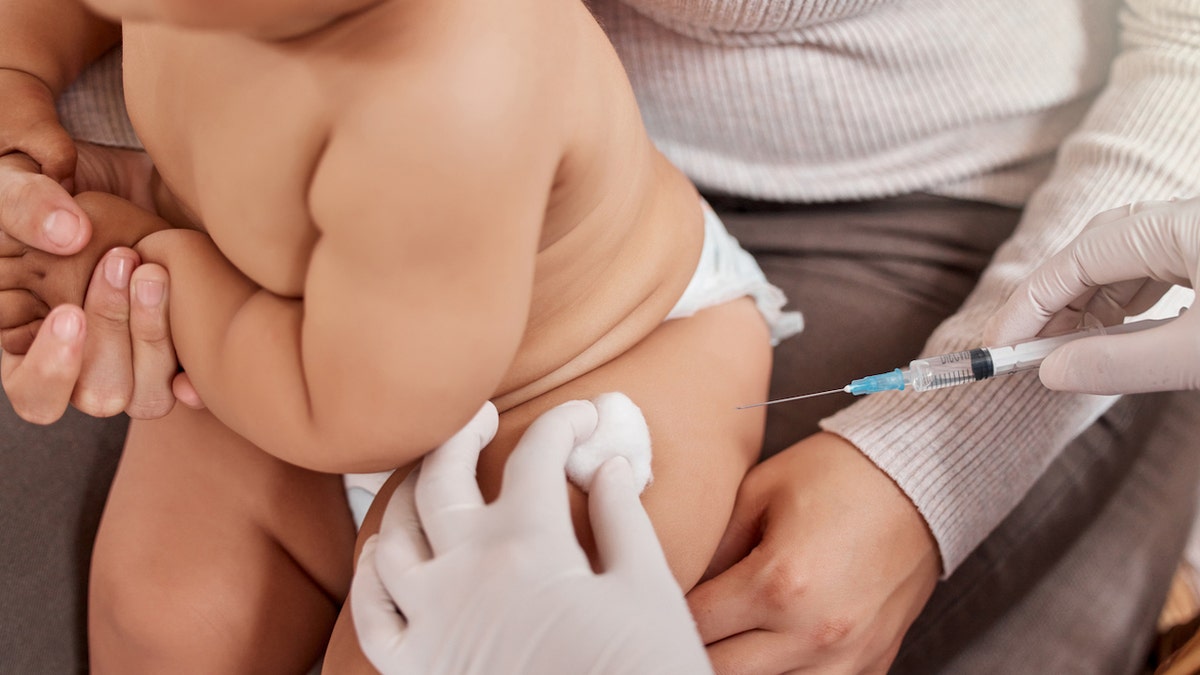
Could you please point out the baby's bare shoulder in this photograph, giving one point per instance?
(434, 148)
(450, 97)
(480, 101)
(507, 66)
(457, 113)
(451, 132)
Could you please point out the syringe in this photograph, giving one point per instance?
(973, 365)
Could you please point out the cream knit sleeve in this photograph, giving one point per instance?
(967, 456)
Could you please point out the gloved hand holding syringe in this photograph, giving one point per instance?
(973, 365)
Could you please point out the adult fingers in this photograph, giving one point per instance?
(1158, 241)
(1039, 301)
(624, 535)
(39, 384)
(380, 627)
(1106, 305)
(403, 546)
(447, 485)
(1144, 245)
(31, 125)
(400, 529)
(1072, 317)
(1164, 358)
(725, 605)
(21, 313)
(154, 363)
(1147, 295)
(1152, 244)
(18, 339)
(533, 476)
(54, 150)
(38, 211)
(755, 652)
(743, 531)
(1111, 303)
(105, 384)
(19, 307)
(1122, 212)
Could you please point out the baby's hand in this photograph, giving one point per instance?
(33, 282)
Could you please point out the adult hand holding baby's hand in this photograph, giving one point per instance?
(37, 168)
(113, 353)
(823, 567)
(106, 355)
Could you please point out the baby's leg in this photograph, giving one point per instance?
(215, 557)
(688, 377)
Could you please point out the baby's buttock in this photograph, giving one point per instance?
(717, 271)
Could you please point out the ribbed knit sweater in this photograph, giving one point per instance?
(1068, 107)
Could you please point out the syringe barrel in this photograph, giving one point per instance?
(1030, 354)
(949, 370)
(1026, 355)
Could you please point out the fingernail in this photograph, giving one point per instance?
(117, 270)
(66, 325)
(149, 293)
(61, 227)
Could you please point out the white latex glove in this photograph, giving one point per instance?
(453, 585)
(1119, 266)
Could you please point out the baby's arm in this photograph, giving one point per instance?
(415, 301)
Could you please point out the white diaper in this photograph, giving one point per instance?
(725, 272)
(361, 489)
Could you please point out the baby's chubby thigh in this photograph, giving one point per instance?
(688, 377)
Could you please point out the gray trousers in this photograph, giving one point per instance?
(1070, 582)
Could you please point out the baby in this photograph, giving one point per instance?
(388, 212)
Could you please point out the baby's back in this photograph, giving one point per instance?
(513, 115)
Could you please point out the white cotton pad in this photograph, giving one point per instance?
(621, 431)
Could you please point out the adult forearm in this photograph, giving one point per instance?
(52, 40)
(1138, 142)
